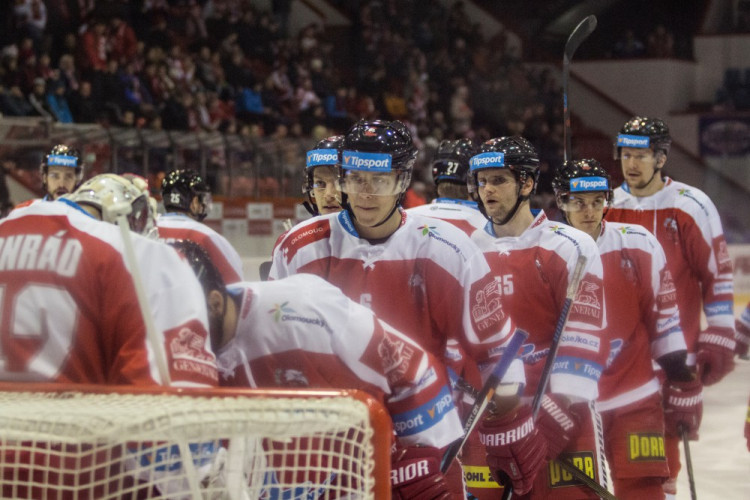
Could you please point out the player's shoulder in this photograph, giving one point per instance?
(627, 235)
(437, 232)
(564, 239)
(689, 199)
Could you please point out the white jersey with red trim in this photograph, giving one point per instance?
(70, 312)
(176, 226)
(687, 225)
(533, 271)
(643, 321)
(301, 331)
(464, 214)
(428, 280)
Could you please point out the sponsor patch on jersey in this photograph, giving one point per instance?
(304, 236)
(669, 323)
(577, 366)
(530, 356)
(479, 477)
(723, 287)
(486, 307)
(587, 306)
(633, 141)
(283, 312)
(431, 232)
(583, 184)
(492, 159)
(580, 340)
(62, 161)
(646, 447)
(425, 416)
(560, 478)
(397, 357)
(615, 347)
(167, 458)
(371, 162)
(717, 308)
(745, 316)
(319, 157)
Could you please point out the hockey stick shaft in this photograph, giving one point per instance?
(485, 395)
(688, 462)
(577, 36)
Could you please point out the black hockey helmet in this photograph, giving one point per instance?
(63, 155)
(644, 132)
(451, 161)
(325, 153)
(581, 176)
(179, 188)
(513, 152)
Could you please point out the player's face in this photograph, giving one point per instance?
(638, 165)
(585, 211)
(372, 196)
(60, 180)
(498, 190)
(324, 190)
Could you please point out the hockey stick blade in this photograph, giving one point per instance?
(576, 38)
(485, 395)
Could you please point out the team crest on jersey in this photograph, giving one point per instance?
(587, 301)
(289, 377)
(628, 270)
(671, 227)
(486, 308)
(396, 356)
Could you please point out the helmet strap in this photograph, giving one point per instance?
(310, 206)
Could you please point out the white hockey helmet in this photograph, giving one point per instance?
(114, 195)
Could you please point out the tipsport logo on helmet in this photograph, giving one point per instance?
(633, 141)
(583, 184)
(371, 162)
(319, 157)
(492, 159)
(62, 161)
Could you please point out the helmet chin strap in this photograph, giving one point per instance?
(519, 199)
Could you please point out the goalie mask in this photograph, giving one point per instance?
(178, 190)
(113, 196)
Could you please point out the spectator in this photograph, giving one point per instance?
(82, 104)
(57, 103)
(123, 45)
(660, 42)
(629, 46)
(38, 99)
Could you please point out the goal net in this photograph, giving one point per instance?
(93, 442)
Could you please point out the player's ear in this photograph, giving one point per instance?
(215, 303)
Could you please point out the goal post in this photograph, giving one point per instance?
(112, 442)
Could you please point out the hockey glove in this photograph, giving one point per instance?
(742, 339)
(515, 449)
(557, 423)
(683, 407)
(415, 474)
(715, 354)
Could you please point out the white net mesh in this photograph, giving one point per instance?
(100, 446)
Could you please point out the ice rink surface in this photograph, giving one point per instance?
(721, 461)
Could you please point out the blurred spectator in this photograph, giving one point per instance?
(82, 104)
(13, 102)
(123, 45)
(660, 42)
(92, 48)
(38, 99)
(629, 46)
(57, 102)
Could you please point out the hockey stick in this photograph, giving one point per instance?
(570, 295)
(485, 396)
(577, 36)
(157, 345)
(688, 462)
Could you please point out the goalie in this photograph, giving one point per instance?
(303, 332)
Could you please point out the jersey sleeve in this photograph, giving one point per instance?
(706, 250)
(583, 348)
(659, 302)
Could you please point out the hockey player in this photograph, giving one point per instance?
(302, 331)
(72, 313)
(321, 172)
(421, 275)
(450, 168)
(687, 225)
(186, 199)
(534, 260)
(642, 323)
(62, 171)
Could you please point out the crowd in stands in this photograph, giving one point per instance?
(228, 66)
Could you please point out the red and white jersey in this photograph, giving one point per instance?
(532, 272)
(643, 321)
(70, 312)
(464, 214)
(176, 226)
(428, 280)
(687, 225)
(301, 331)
